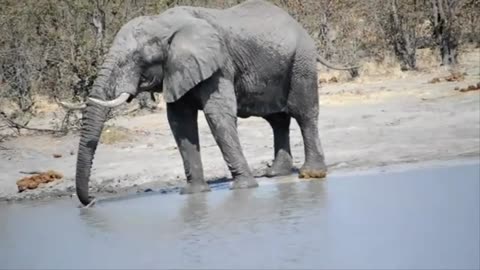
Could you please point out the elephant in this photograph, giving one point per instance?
(252, 59)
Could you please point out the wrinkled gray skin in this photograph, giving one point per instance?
(249, 60)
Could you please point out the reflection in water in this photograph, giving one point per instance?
(417, 219)
(194, 214)
(95, 218)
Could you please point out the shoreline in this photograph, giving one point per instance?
(132, 192)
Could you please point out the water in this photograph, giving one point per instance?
(426, 218)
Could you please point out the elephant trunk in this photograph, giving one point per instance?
(93, 120)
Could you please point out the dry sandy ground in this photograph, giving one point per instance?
(363, 124)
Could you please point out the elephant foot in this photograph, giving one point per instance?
(280, 167)
(192, 188)
(313, 171)
(273, 172)
(243, 182)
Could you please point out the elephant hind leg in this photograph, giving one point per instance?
(314, 166)
(282, 163)
(303, 106)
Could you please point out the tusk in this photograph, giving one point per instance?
(71, 106)
(112, 103)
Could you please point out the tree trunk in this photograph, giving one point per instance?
(444, 29)
(403, 38)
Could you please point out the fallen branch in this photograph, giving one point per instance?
(17, 126)
(4, 148)
(31, 172)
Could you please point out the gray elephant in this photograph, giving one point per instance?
(252, 59)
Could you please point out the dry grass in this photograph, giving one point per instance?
(387, 67)
(370, 70)
(43, 104)
(8, 107)
(428, 59)
(114, 134)
(357, 97)
(469, 52)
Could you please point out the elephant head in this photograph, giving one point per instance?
(174, 51)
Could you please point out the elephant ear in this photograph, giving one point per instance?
(195, 53)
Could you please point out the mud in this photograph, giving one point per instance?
(363, 124)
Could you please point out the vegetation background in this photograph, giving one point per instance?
(52, 48)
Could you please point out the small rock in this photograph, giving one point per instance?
(72, 152)
(148, 190)
(455, 77)
(341, 165)
(333, 80)
(57, 155)
(471, 88)
(435, 80)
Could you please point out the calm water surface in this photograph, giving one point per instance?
(424, 218)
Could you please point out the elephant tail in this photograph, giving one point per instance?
(323, 61)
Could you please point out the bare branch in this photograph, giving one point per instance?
(17, 127)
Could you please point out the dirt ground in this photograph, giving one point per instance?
(366, 123)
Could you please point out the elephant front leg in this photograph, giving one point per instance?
(220, 110)
(183, 122)
(224, 130)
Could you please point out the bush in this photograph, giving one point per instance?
(53, 48)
